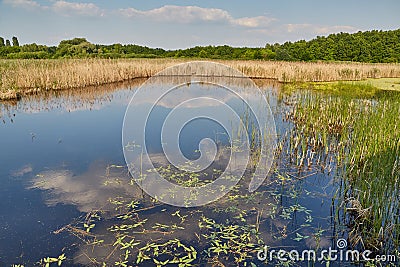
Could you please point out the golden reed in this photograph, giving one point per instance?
(25, 76)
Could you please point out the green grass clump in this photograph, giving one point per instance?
(364, 136)
(369, 88)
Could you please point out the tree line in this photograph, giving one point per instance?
(368, 46)
(8, 43)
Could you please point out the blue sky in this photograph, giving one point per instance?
(187, 23)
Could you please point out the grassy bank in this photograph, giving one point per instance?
(18, 77)
(367, 87)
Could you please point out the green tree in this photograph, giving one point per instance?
(203, 54)
(248, 54)
(15, 41)
(369, 46)
(257, 54)
(74, 41)
(268, 54)
(77, 47)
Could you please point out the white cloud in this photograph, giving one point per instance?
(335, 29)
(167, 13)
(318, 29)
(253, 22)
(60, 6)
(28, 4)
(184, 14)
(297, 27)
(191, 14)
(83, 9)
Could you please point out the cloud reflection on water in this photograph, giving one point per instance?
(88, 191)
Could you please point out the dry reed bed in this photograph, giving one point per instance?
(24, 76)
(315, 71)
(74, 73)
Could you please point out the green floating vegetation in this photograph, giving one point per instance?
(48, 261)
(235, 243)
(144, 232)
(354, 138)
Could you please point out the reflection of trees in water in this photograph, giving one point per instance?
(88, 98)
(94, 97)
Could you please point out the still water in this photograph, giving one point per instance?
(65, 189)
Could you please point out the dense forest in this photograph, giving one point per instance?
(368, 46)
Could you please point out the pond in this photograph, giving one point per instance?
(66, 188)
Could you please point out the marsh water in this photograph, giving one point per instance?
(65, 189)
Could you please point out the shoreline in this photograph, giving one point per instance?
(20, 78)
(17, 94)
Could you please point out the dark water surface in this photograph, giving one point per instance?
(61, 152)
(63, 131)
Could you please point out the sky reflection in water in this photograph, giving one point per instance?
(62, 157)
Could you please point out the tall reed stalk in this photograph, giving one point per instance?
(363, 135)
(48, 74)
